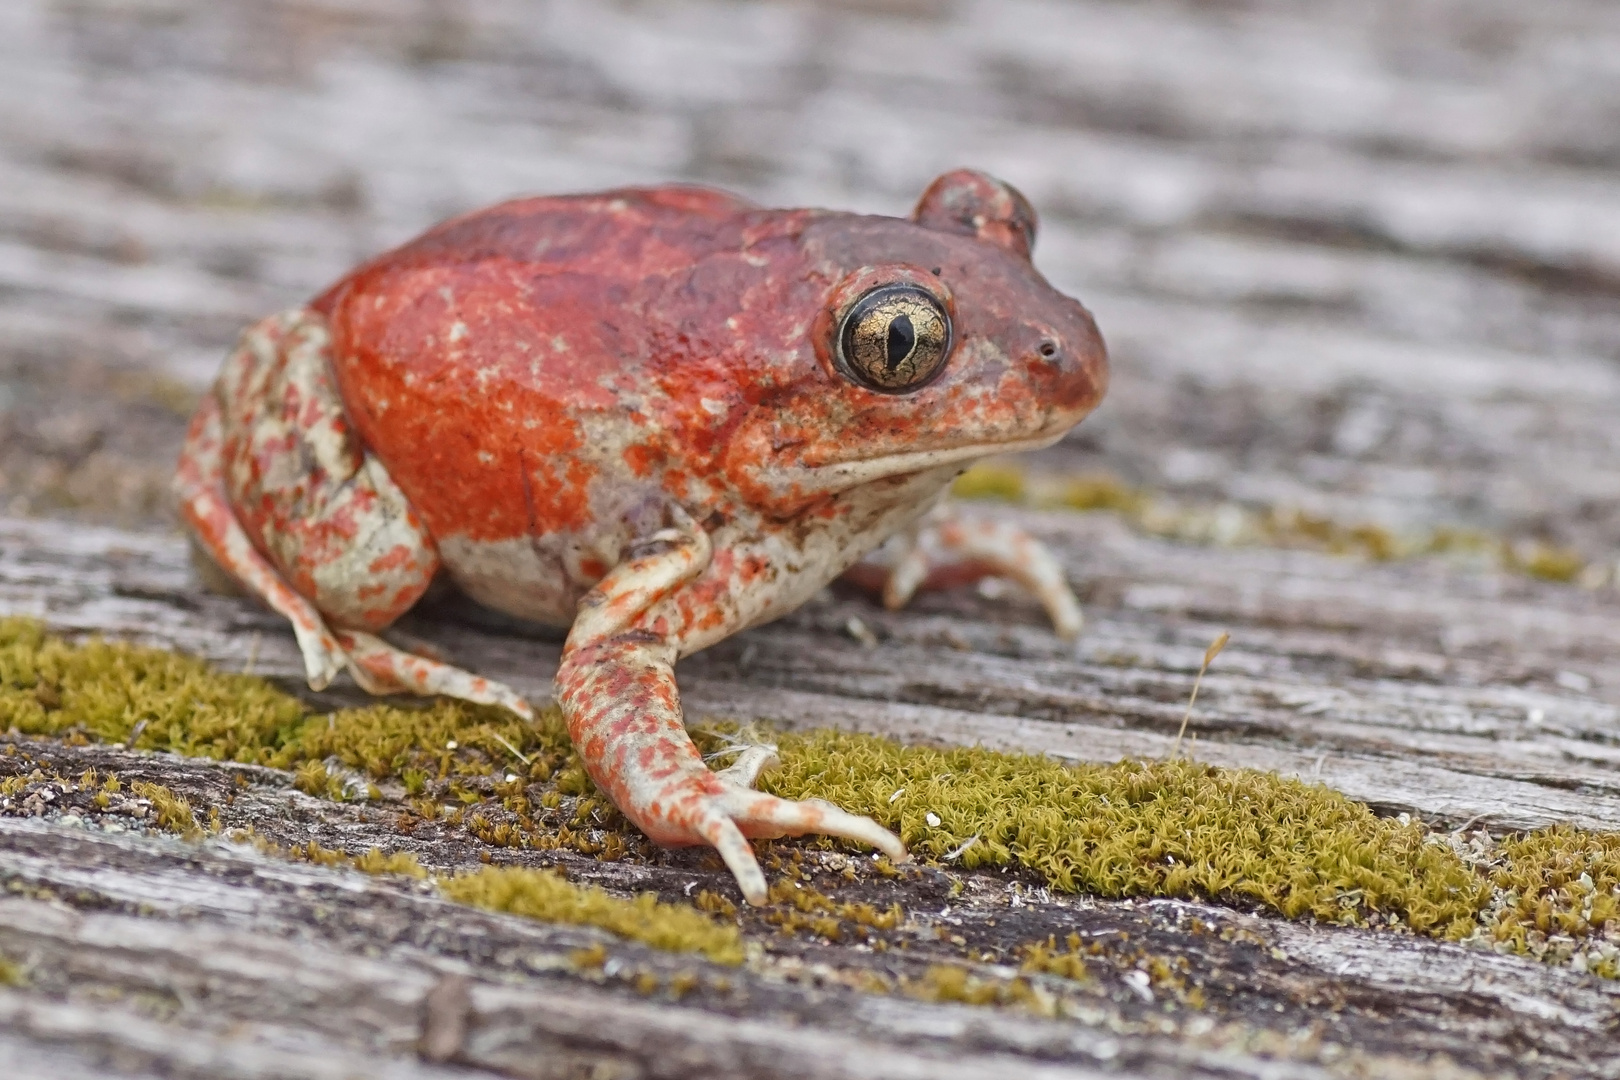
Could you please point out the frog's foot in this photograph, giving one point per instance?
(380, 668)
(619, 698)
(947, 551)
(726, 819)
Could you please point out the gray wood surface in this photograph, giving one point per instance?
(1356, 258)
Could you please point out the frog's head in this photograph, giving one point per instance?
(936, 342)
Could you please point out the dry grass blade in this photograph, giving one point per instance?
(1210, 654)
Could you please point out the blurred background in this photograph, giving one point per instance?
(1358, 261)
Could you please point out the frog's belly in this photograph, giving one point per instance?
(520, 577)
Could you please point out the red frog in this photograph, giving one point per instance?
(657, 416)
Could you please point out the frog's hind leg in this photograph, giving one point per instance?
(284, 496)
(206, 509)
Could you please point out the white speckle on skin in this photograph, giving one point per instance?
(486, 458)
(713, 407)
(458, 331)
(559, 343)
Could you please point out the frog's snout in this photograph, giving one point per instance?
(1067, 365)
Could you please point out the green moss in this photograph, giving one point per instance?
(114, 692)
(795, 909)
(541, 894)
(1174, 828)
(1545, 562)
(1557, 897)
(170, 811)
(1045, 958)
(544, 895)
(159, 700)
(990, 480)
(952, 982)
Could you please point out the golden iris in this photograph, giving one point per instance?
(895, 339)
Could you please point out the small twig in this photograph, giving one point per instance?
(253, 653)
(1210, 654)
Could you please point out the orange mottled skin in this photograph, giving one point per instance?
(628, 413)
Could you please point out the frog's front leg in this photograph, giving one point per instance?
(616, 685)
(947, 549)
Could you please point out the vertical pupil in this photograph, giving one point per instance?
(902, 337)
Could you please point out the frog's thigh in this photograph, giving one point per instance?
(323, 509)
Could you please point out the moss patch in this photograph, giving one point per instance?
(12, 973)
(170, 811)
(1173, 829)
(541, 894)
(1555, 896)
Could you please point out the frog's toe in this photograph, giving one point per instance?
(722, 834)
(323, 653)
(753, 759)
(948, 551)
(767, 817)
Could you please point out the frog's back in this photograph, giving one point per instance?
(496, 366)
(613, 234)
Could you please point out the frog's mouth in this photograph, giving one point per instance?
(835, 476)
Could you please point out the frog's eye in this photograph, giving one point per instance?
(894, 339)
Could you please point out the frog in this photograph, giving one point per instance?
(654, 418)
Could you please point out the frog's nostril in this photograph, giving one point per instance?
(1049, 349)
